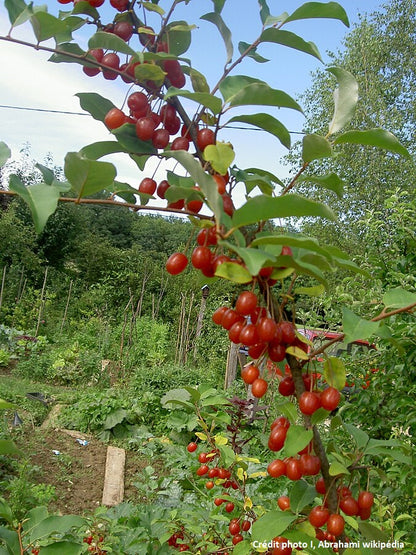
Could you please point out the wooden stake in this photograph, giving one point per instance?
(2, 285)
(66, 306)
(42, 301)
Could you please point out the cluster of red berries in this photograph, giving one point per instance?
(173, 541)
(305, 464)
(224, 477)
(94, 542)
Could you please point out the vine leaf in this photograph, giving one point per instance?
(345, 99)
(41, 198)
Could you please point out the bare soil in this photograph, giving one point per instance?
(77, 472)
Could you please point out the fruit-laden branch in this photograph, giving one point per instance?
(382, 316)
(110, 202)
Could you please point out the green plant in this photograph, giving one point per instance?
(274, 265)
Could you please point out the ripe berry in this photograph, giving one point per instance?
(201, 258)
(282, 546)
(209, 484)
(234, 528)
(124, 30)
(115, 118)
(112, 61)
(284, 502)
(176, 263)
(287, 386)
(160, 138)
(293, 469)
(250, 373)
(120, 5)
(287, 330)
(218, 315)
(277, 438)
(349, 506)
(237, 539)
(365, 499)
(192, 447)
(276, 468)
(180, 143)
(145, 128)
(259, 388)
(138, 103)
(148, 186)
(309, 402)
(205, 137)
(318, 516)
(330, 398)
(320, 486)
(246, 303)
(203, 469)
(229, 507)
(335, 524)
(245, 525)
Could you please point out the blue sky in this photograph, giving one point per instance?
(30, 81)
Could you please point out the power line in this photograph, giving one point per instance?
(43, 110)
(84, 114)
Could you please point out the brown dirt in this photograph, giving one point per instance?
(77, 473)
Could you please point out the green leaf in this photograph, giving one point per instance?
(110, 41)
(7, 447)
(314, 291)
(374, 137)
(286, 38)
(65, 52)
(398, 298)
(243, 548)
(253, 258)
(86, 9)
(319, 416)
(152, 72)
(54, 524)
(270, 525)
(293, 240)
(264, 11)
(18, 11)
(42, 200)
(175, 395)
(356, 327)
(5, 511)
(95, 104)
(5, 153)
(263, 207)
(359, 436)
(337, 468)
(296, 439)
(313, 10)
(301, 495)
(220, 156)
(94, 151)
(67, 547)
(252, 53)
(199, 83)
(233, 272)
(205, 181)
(268, 123)
(4, 405)
(315, 147)
(178, 37)
(128, 139)
(115, 417)
(46, 26)
(371, 532)
(330, 181)
(288, 409)
(152, 7)
(205, 98)
(334, 372)
(345, 99)
(88, 176)
(11, 539)
(239, 90)
(225, 32)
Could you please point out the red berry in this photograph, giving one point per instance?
(180, 143)
(293, 469)
(176, 263)
(250, 373)
(277, 438)
(349, 506)
(162, 188)
(276, 468)
(287, 386)
(318, 516)
(259, 387)
(201, 258)
(145, 128)
(309, 402)
(148, 186)
(284, 502)
(192, 447)
(160, 138)
(112, 61)
(282, 546)
(335, 524)
(234, 528)
(246, 303)
(205, 137)
(330, 398)
(203, 469)
(115, 118)
(365, 499)
(138, 103)
(124, 30)
(320, 486)
(229, 507)
(287, 329)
